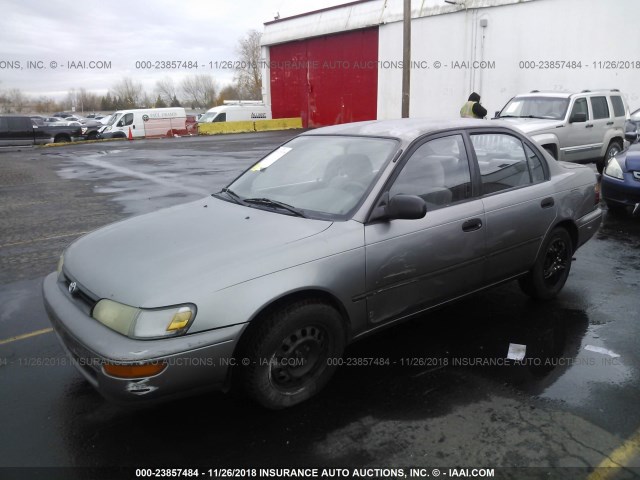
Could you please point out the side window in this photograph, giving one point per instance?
(127, 119)
(580, 106)
(19, 124)
(438, 172)
(599, 107)
(618, 106)
(502, 162)
(221, 117)
(4, 127)
(535, 165)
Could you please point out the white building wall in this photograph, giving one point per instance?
(566, 30)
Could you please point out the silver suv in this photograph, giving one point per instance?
(585, 126)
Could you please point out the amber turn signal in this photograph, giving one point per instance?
(134, 371)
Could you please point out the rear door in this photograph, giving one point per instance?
(412, 265)
(519, 202)
(602, 122)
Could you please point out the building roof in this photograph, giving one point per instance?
(362, 14)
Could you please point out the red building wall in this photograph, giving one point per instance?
(326, 80)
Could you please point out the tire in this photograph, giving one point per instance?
(92, 136)
(61, 139)
(307, 331)
(549, 274)
(612, 150)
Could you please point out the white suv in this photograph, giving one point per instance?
(585, 126)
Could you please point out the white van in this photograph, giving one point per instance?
(146, 123)
(237, 111)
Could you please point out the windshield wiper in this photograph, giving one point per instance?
(233, 195)
(275, 203)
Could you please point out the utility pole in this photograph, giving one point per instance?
(406, 58)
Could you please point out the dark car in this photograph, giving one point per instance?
(90, 128)
(620, 187)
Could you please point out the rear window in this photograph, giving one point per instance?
(618, 106)
(599, 107)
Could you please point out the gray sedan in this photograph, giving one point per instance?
(338, 233)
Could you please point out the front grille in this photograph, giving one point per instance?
(81, 296)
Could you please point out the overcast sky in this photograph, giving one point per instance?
(52, 33)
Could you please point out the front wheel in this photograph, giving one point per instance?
(549, 274)
(613, 149)
(288, 357)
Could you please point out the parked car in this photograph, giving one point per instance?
(620, 185)
(20, 130)
(146, 123)
(336, 234)
(90, 128)
(191, 125)
(236, 111)
(585, 126)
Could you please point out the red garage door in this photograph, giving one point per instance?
(326, 80)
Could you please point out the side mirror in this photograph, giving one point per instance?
(578, 118)
(405, 207)
(401, 207)
(631, 136)
(120, 124)
(497, 114)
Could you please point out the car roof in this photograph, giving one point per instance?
(406, 129)
(566, 94)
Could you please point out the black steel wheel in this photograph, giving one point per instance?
(290, 354)
(549, 274)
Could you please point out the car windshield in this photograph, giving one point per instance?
(318, 176)
(208, 117)
(114, 118)
(536, 107)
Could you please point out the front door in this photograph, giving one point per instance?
(412, 265)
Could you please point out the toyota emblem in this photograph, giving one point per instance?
(73, 288)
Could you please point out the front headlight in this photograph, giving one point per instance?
(144, 323)
(613, 169)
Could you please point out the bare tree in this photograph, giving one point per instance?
(129, 93)
(199, 91)
(17, 100)
(249, 75)
(227, 93)
(166, 89)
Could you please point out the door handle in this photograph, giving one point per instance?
(472, 225)
(589, 126)
(547, 202)
(609, 123)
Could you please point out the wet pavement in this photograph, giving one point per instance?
(442, 395)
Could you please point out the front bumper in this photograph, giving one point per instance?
(194, 362)
(624, 192)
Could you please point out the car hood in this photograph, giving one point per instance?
(158, 259)
(533, 125)
(632, 158)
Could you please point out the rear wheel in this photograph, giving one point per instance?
(613, 149)
(549, 274)
(62, 139)
(288, 357)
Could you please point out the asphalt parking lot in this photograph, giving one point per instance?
(443, 401)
